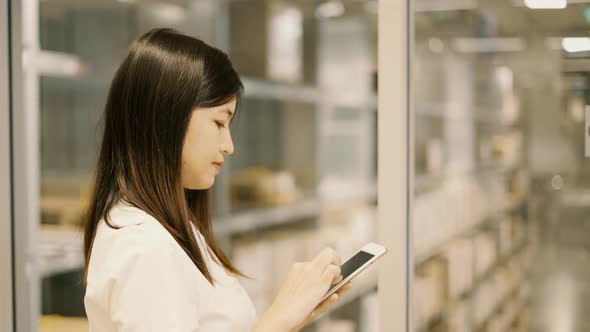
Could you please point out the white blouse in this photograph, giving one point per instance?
(140, 280)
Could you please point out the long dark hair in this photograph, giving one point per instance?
(163, 77)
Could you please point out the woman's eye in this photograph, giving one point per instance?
(219, 124)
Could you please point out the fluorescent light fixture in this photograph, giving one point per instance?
(443, 5)
(330, 9)
(576, 44)
(546, 4)
(488, 45)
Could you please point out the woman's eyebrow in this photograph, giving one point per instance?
(229, 112)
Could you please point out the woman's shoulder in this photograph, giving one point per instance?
(133, 230)
(137, 253)
(137, 241)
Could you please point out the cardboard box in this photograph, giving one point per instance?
(269, 40)
(430, 290)
(56, 323)
(459, 256)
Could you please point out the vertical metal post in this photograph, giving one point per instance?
(6, 221)
(395, 149)
(25, 160)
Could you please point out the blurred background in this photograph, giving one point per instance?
(304, 172)
(500, 180)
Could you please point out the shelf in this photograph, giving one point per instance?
(58, 65)
(426, 179)
(436, 110)
(343, 196)
(59, 251)
(50, 63)
(575, 198)
(368, 104)
(515, 315)
(425, 182)
(256, 88)
(499, 305)
(478, 281)
(435, 250)
(265, 89)
(50, 267)
(503, 260)
(261, 218)
(496, 169)
(519, 312)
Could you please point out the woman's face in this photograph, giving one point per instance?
(207, 141)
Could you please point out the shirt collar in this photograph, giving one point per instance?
(123, 214)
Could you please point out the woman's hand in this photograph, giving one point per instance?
(301, 293)
(324, 306)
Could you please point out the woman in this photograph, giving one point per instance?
(152, 263)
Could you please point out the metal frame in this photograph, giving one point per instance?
(25, 163)
(395, 149)
(6, 256)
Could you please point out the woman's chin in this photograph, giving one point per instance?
(202, 185)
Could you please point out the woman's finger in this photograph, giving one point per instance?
(345, 287)
(325, 258)
(330, 273)
(342, 291)
(327, 303)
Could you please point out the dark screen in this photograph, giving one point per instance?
(353, 264)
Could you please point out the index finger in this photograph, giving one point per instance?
(325, 258)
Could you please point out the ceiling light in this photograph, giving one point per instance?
(546, 4)
(576, 44)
